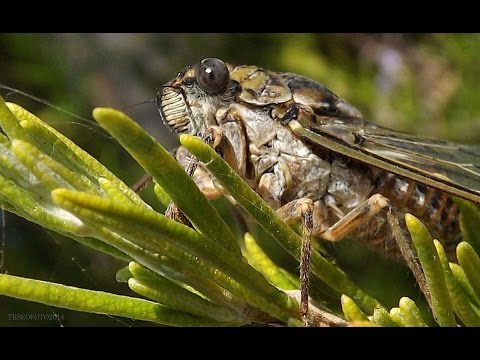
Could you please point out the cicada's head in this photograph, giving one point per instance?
(188, 103)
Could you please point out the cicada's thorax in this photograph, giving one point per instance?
(279, 165)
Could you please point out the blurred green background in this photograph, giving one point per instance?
(422, 83)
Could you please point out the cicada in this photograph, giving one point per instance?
(313, 157)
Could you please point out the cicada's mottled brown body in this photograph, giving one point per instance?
(313, 156)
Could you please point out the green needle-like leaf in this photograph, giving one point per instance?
(48, 171)
(410, 313)
(427, 253)
(382, 317)
(461, 304)
(260, 261)
(461, 278)
(351, 310)
(398, 316)
(10, 124)
(470, 262)
(13, 169)
(470, 223)
(98, 302)
(162, 196)
(123, 275)
(113, 192)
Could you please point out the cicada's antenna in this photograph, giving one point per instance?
(149, 101)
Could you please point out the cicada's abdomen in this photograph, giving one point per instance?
(435, 208)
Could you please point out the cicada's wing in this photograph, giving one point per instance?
(444, 165)
(460, 164)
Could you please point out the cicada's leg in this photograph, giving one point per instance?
(291, 212)
(313, 222)
(140, 184)
(314, 226)
(174, 213)
(212, 136)
(371, 207)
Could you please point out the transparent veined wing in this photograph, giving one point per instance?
(447, 166)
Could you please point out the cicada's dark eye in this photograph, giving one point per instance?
(212, 75)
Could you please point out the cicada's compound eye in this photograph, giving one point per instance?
(212, 75)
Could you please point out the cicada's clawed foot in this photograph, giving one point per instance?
(213, 136)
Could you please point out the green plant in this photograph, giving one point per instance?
(195, 276)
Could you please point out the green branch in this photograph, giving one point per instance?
(193, 276)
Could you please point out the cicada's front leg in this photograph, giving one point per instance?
(199, 175)
(213, 136)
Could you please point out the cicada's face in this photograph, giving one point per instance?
(188, 103)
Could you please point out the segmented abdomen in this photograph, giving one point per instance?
(435, 208)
